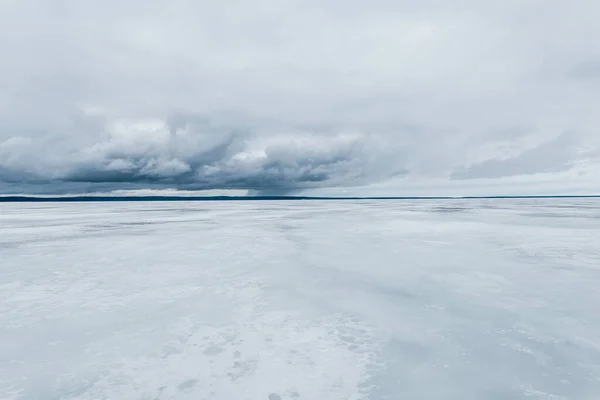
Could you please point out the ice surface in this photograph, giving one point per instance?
(462, 299)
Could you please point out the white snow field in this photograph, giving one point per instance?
(454, 299)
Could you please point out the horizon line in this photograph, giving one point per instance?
(132, 198)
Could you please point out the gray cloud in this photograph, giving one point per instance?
(552, 156)
(588, 70)
(294, 95)
(198, 153)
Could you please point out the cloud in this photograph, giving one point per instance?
(588, 70)
(551, 156)
(197, 153)
(290, 95)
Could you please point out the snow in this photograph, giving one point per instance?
(455, 299)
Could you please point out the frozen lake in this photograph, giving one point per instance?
(455, 299)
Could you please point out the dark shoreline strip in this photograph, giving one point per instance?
(86, 198)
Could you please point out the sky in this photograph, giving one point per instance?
(335, 97)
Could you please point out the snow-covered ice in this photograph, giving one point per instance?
(455, 299)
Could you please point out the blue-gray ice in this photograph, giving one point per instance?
(477, 299)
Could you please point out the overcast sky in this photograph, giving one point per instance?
(377, 97)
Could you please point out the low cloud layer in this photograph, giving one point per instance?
(287, 96)
(199, 153)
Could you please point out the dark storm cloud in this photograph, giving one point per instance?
(197, 153)
(284, 167)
